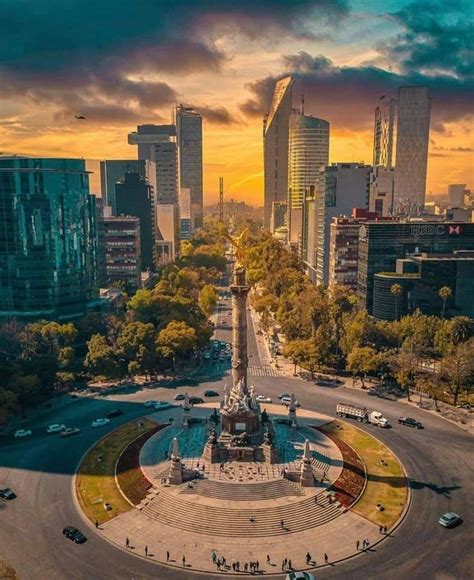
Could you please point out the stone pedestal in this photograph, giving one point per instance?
(270, 453)
(240, 423)
(306, 471)
(175, 476)
(211, 453)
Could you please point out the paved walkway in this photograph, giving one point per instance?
(337, 539)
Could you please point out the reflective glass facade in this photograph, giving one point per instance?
(48, 239)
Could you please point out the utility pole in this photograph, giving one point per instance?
(221, 199)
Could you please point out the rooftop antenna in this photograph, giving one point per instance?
(221, 199)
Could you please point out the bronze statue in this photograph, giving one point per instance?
(238, 243)
(212, 440)
(268, 437)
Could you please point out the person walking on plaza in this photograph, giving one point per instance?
(146, 551)
(268, 559)
(282, 524)
(290, 567)
(127, 542)
(97, 524)
(357, 544)
(184, 561)
(308, 558)
(326, 559)
(246, 567)
(167, 556)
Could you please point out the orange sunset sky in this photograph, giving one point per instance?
(224, 61)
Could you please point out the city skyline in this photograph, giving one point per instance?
(226, 67)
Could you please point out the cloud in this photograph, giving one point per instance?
(99, 57)
(455, 149)
(432, 49)
(216, 116)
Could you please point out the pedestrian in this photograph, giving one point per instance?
(246, 567)
(308, 557)
(326, 559)
(290, 567)
(184, 561)
(223, 561)
(282, 524)
(367, 543)
(238, 565)
(380, 529)
(146, 551)
(357, 544)
(257, 565)
(97, 524)
(283, 565)
(385, 529)
(127, 542)
(214, 557)
(233, 566)
(167, 556)
(268, 559)
(315, 499)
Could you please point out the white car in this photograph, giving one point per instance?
(55, 428)
(299, 576)
(263, 399)
(160, 405)
(100, 422)
(151, 403)
(22, 433)
(287, 401)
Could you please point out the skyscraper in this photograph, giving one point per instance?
(308, 152)
(48, 239)
(385, 114)
(189, 141)
(122, 251)
(413, 128)
(340, 188)
(112, 171)
(157, 143)
(134, 197)
(275, 147)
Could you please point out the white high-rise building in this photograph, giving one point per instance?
(189, 141)
(413, 128)
(275, 147)
(385, 114)
(308, 152)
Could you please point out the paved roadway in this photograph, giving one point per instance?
(438, 460)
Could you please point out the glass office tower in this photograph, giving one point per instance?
(48, 239)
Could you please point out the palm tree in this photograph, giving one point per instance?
(460, 329)
(444, 293)
(396, 291)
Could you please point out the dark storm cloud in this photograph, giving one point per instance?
(79, 54)
(216, 116)
(434, 48)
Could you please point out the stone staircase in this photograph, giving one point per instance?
(176, 511)
(260, 491)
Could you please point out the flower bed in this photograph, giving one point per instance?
(130, 477)
(350, 483)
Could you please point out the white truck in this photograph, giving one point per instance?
(362, 414)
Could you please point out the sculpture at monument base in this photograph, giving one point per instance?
(306, 470)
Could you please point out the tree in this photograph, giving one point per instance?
(457, 369)
(208, 296)
(176, 340)
(461, 329)
(362, 361)
(295, 350)
(405, 365)
(445, 294)
(136, 345)
(101, 358)
(396, 290)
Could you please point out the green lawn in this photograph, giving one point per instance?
(386, 484)
(95, 482)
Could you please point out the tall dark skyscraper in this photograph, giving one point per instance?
(112, 171)
(48, 239)
(189, 140)
(134, 197)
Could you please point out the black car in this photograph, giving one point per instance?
(7, 493)
(179, 397)
(195, 400)
(211, 394)
(114, 413)
(74, 534)
(410, 422)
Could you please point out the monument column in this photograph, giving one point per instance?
(240, 290)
